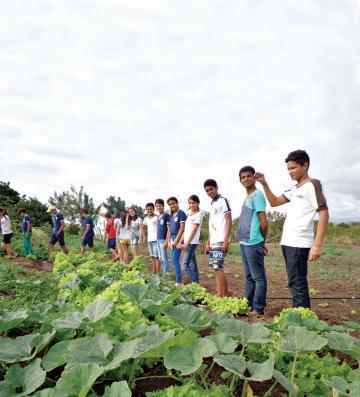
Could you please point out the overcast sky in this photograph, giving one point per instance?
(146, 99)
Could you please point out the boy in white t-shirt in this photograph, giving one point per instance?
(298, 244)
(150, 223)
(217, 246)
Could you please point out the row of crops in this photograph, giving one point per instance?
(115, 327)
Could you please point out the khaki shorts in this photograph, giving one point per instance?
(127, 241)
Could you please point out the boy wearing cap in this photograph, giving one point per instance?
(58, 231)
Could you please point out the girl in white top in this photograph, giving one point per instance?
(135, 225)
(192, 239)
(124, 238)
(7, 233)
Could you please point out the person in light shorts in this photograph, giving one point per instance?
(150, 223)
(219, 235)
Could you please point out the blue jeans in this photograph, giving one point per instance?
(190, 264)
(163, 256)
(255, 277)
(296, 266)
(175, 257)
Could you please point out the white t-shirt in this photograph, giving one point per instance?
(135, 226)
(191, 220)
(5, 225)
(151, 224)
(217, 221)
(304, 202)
(117, 221)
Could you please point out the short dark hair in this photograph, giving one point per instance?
(21, 210)
(159, 201)
(195, 198)
(298, 156)
(172, 198)
(210, 182)
(149, 205)
(85, 211)
(108, 215)
(247, 168)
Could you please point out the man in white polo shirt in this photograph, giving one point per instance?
(219, 235)
(298, 244)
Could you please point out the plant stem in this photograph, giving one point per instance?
(243, 350)
(233, 382)
(159, 377)
(243, 394)
(268, 393)
(209, 370)
(293, 368)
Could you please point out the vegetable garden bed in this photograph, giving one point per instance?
(115, 330)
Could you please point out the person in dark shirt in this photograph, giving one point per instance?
(88, 232)
(58, 231)
(26, 227)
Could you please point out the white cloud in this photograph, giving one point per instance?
(146, 99)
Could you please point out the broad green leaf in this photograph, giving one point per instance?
(56, 356)
(224, 343)
(284, 382)
(339, 341)
(18, 349)
(300, 339)
(184, 359)
(121, 352)
(189, 316)
(134, 291)
(78, 380)
(337, 383)
(154, 307)
(41, 341)
(205, 347)
(97, 310)
(137, 347)
(219, 317)
(89, 350)
(354, 375)
(248, 333)
(185, 339)
(118, 389)
(9, 320)
(69, 320)
(142, 329)
(23, 381)
(232, 362)
(261, 371)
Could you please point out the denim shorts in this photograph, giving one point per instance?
(57, 238)
(134, 241)
(88, 240)
(153, 249)
(111, 243)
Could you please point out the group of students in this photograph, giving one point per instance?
(180, 232)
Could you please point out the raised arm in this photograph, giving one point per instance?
(274, 200)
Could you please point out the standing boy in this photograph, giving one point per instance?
(253, 227)
(58, 231)
(219, 234)
(297, 243)
(26, 227)
(163, 235)
(88, 232)
(150, 222)
(110, 236)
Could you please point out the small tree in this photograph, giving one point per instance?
(36, 209)
(71, 202)
(113, 204)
